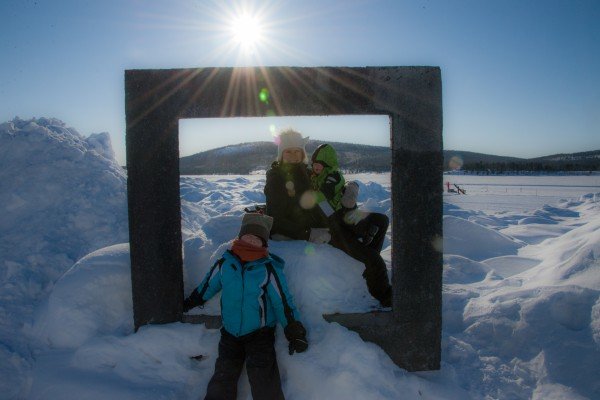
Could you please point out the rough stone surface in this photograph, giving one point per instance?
(411, 96)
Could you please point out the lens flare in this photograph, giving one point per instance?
(455, 163)
(309, 250)
(308, 200)
(263, 95)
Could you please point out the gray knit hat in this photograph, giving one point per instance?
(256, 224)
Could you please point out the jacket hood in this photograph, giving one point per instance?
(326, 155)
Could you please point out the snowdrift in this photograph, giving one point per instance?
(61, 197)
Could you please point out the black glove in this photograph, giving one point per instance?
(192, 301)
(296, 335)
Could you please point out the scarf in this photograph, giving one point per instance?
(247, 252)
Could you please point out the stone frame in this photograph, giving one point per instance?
(155, 100)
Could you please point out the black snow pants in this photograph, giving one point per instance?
(345, 237)
(380, 221)
(258, 351)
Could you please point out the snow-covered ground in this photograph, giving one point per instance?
(521, 313)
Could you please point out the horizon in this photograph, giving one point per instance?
(514, 81)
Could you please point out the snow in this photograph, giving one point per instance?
(521, 295)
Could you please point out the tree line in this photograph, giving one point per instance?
(538, 167)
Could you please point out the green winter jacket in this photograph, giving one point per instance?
(329, 184)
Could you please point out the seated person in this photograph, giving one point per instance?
(289, 195)
(358, 233)
(334, 195)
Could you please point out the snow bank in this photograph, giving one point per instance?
(550, 324)
(572, 258)
(537, 330)
(61, 197)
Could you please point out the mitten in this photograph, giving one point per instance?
(319, 235)
(350, 194)
(353, 217)
(193, 300)
(296, 335)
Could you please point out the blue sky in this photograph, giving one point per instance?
(520, 78)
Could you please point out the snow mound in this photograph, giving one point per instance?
(456, 211)
(92, 299)
(475, 241)
(323, 279)
(552, 324)
(61, 195)
(570, 259)
(534, 233)
(458, 269)
(152, 364)
(506, 266)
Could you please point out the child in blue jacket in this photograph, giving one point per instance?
(254, 298)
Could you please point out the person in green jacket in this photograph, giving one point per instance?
(358, 233)
(336, 196)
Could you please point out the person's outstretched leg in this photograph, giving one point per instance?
(261, 364)
(381, 221)
(376, 276)
(375, 272)
(372, 230)
(228, 367)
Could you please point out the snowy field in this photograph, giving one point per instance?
(519, 193)
(521, 307)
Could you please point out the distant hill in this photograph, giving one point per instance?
(583, 161)
(586, 157)
(468, 157)
(247, 157)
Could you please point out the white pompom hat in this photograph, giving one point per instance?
(289, 139)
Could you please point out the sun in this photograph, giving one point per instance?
(247, 31)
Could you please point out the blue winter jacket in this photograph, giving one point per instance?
(255, 293)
